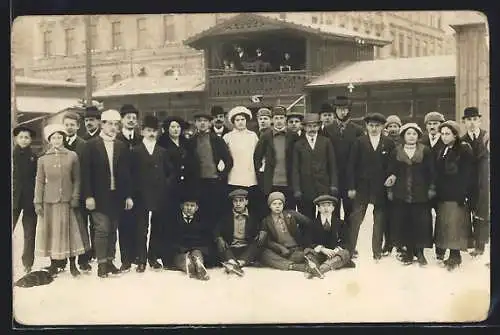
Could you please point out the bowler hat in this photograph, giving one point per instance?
(203, 114)
(410, 125)
(375, 117)
(128, 109)
(238, 193)
(279, 110)
(311, 118)
(341, 101)
(216, 110)
(470, 112)
(150, 121)
(326, 108)
(189, 194)
(21, 128)
(239, 110)
(433, 116)
(92, 111)
(325, 198)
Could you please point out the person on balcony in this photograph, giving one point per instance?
(314, 169)
(264, 121)
(273, 158)
(326, 116)
(286, 64)
(294, 122)
(241, 58)
(261, 62)
(219, 117)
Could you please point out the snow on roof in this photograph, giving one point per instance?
(153, 85)
(48, 105)
(20, 80)
(384, 70)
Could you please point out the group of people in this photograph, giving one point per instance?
(271, 196)
(239, 60)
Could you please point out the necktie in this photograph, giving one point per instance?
(327, 225)
(130, 137)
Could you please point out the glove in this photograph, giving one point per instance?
(285, 251)
(74, 203)
(90, 204)
(351, 194)
(261, 238)
(431, 194)
(39, 209)
(390, 181)
(129, 203)
(221, 245)
(297, 195)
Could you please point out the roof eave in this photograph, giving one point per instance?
(412, 80)
(128, 94)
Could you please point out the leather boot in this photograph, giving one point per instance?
(72, 267)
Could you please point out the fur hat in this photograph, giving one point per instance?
(110, 115)
(127, 109)
(237, 111)
(21, 128)
(393, 119)
(453, 125)
(410, 125)
(216, 110)
(275, 196)
(53, 128)
(150, 121)
(433, 116)
(92, 111)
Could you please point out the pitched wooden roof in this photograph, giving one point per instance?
(251, 22)
(388, 70)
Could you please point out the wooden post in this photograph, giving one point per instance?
(88, 60)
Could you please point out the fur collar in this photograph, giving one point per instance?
(402, 156)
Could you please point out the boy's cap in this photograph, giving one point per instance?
(238, 193)
(275, 196)
(325, 198)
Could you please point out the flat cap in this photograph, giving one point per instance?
(311, 118)
(434, 116)
(264, 112)
(238, 193)
(375, 117)
(279, 110)
(325, 198)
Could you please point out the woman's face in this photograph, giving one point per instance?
(174, 129)
(240, 122)
(56, 140)
(411, 136)
(447, 136)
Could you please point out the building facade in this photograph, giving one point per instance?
(127, 45)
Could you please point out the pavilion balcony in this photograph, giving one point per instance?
(252, 83)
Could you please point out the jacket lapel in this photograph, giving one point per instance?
(102, 151)
(116, 153)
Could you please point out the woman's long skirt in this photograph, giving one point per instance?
(411, 224)
(452, 226)
(60, 232)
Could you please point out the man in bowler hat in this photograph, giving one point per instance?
(91, 118)
(219, 118)
(326, 116)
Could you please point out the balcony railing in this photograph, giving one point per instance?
(264, 83)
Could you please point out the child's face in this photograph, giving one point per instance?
(23, 139)
(189, 208)
(326, 208)
(472, 123)
(276, 206)
(239, 204)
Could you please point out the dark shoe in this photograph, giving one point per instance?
(141, 268)
(476, 252)
(111, 268)
(190, 268)
(312, 268)
(74, 271)
(386, 251)
(350, 264)
(233, 268)
(125, 267)
(377, 257)
(201, 271)
(155, 265)
(407, 259)
(85, 267)
(355, 254)
(439, 257)
(102, 270)
(453, 263)
(27, 269)
(421, 260)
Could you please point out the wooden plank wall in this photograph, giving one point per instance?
(472, 81)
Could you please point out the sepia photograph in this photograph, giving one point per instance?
(250, 168)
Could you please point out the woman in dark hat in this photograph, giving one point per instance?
(410, 187)
(24, 162)
(454, 168)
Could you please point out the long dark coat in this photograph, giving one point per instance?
(296, 224)
(314, 172)
(23, 178)
(265, 150)
(96, 175)
(367, 169)
(152, 176)
(330, 239)
(137, 139)
(76, 146)
(86, 136)
(225, 229)
(189, 236)
(436, 149)
(220, 152)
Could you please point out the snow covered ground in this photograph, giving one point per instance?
(383, 292)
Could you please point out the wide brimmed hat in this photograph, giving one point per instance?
(92, 111)
(375, 117)
(238, 193)
(275, 196)
(453, 125)
(433, 116)
(21, 128)
(203, 114)
(393, 119)
(410, 125)
(470, 112)
(311, 118)
(237, 111)
(279, 110)
(111, 115)
(150, 121)
(189, 194)
(341, 101)
(166, 123)
(51, 129)
(216, 110)
(128, 109)
(264, 112)
(325, 198)
(326, 108)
